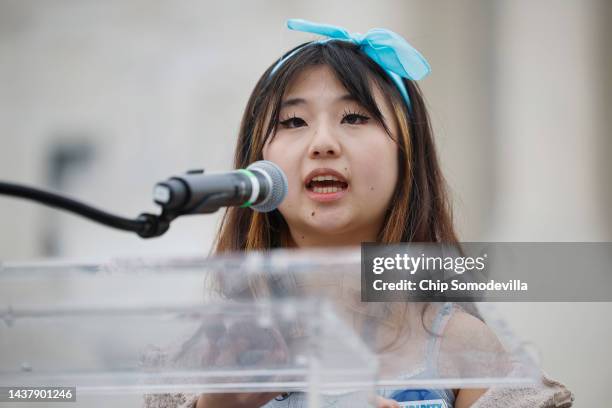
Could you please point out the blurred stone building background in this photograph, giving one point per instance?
(100, 100)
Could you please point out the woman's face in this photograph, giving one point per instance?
(340, 163)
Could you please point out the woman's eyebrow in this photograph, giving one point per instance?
(347, 97)
(300, 101)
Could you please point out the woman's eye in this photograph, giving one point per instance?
(293, 122)
(355, 119)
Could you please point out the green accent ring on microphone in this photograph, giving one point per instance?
(247, 203)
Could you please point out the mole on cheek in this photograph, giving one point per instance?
(371, 188)
(312, 213)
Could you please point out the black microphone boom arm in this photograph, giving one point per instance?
(145, 225)
(261, 186)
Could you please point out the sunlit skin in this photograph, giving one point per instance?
(321, 127)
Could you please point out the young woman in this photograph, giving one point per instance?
(346, 122)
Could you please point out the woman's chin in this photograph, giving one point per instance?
(331, 224)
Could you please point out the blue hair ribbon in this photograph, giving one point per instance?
(388, 49)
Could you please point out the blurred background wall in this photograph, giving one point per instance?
(100, 100)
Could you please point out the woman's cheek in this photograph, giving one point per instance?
(373, 185)
(380, 174)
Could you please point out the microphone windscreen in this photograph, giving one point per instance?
(278, 189)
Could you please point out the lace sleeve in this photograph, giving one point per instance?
(549, 394)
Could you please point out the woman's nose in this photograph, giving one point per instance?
(324, 144)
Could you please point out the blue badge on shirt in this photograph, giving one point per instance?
(437, 403)
(419, 399)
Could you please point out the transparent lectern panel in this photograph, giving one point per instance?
(111, 329)
(417, 344)
(280, 320)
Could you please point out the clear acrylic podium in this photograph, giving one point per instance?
(286, 321)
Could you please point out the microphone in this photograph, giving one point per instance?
(262, 186)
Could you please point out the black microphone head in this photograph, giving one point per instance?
(278, 185)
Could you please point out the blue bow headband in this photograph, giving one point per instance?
(389, 50)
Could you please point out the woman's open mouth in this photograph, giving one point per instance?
(325, 185)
